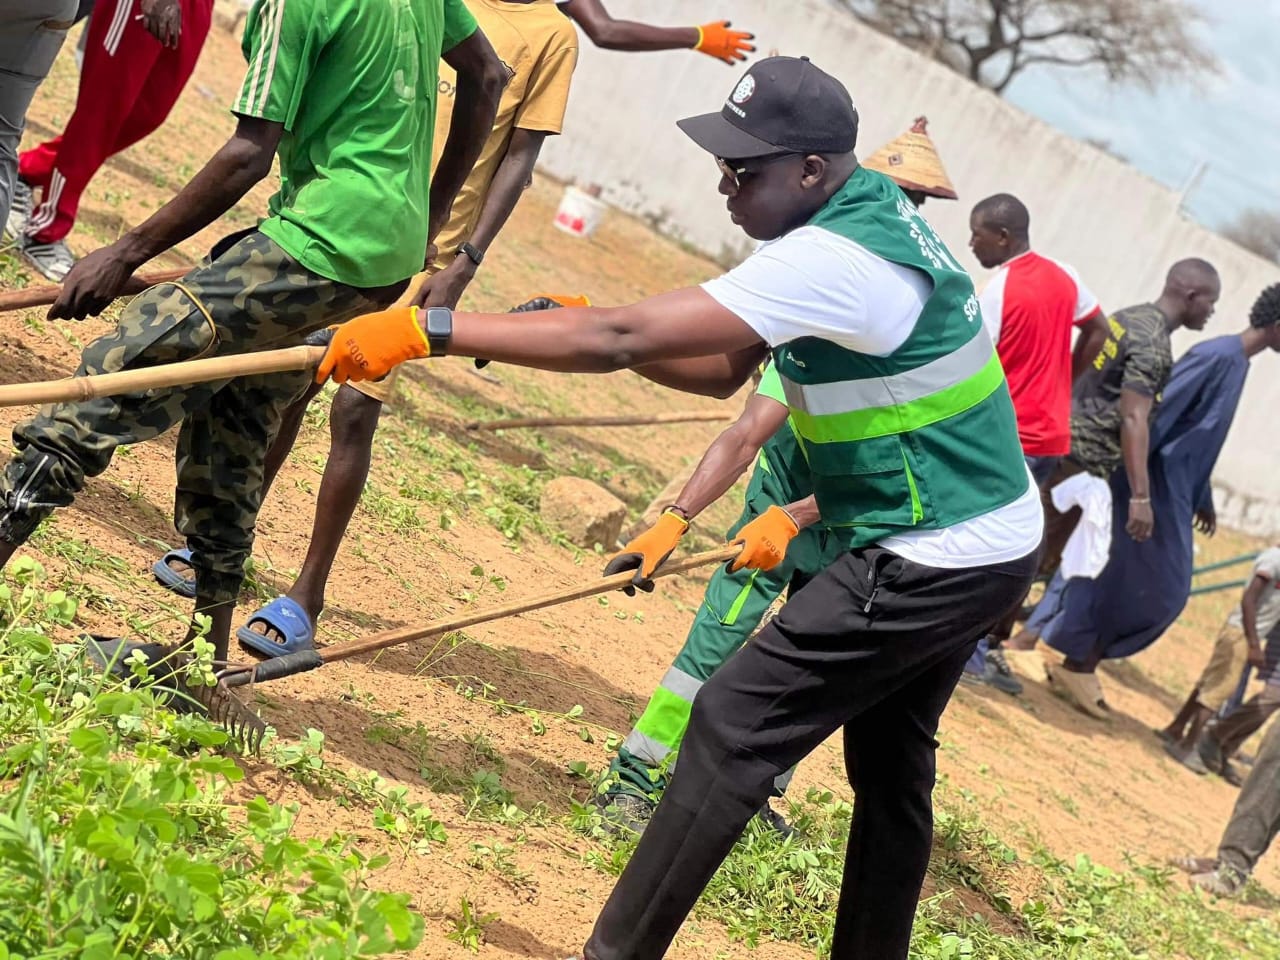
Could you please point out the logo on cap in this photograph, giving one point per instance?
(745, 88)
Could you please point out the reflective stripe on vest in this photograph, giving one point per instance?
(851, 410)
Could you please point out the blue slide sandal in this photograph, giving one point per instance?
(287, 618)
(182, 586)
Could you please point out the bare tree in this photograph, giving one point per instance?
(1257, 230)
(992, 41)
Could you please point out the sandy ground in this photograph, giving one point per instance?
(430, 716)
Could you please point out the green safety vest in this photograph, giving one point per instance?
(925, 437)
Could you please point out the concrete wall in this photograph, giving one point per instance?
(1120, 228)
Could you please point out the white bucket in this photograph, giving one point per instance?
(579, 212)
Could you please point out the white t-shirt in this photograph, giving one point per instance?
(814, 283)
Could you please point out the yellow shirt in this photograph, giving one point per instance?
(539, 47)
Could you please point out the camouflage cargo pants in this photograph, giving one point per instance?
(248, 295)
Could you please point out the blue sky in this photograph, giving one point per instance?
(1232, 122)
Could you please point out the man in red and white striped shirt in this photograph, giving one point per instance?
(1031, 305)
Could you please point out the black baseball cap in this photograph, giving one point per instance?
(781, 105)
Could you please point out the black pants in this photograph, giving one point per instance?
(874, 644)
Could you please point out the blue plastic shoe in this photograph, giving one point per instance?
(286, 618)
(172, 580)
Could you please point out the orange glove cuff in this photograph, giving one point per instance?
(717, 40)
(657, 543)
(765, 540)
(568, 299)
(370, 346)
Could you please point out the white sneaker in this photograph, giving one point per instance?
(54, 260)
(20, 208)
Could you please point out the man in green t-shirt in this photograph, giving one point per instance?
(344, 92)
(734, 604)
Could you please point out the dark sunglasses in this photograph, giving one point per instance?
(735, 170)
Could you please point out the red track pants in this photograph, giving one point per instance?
(128, 85)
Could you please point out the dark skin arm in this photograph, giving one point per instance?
(481, 78)
(509, 180)
(730, 454)
(1088, 342)
(1249, 618)
(671, 326)
(610, 34)
(241, 163)
(719, 376)
(1135, 411)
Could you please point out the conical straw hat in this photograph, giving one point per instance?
(911, 161)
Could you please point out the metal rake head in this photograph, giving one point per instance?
(167, 667)
(243, 725)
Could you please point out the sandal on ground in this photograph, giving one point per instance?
(1082, 689)
(183, 586)
(1190, 864)
(285, 618)
(1189, 757)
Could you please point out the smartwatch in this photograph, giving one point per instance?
(471, 252)
(439, 330)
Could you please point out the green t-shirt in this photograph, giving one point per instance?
(354, 82)
(781, 456)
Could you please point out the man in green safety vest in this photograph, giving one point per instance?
(901, 410)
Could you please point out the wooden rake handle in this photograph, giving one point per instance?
(72, 389)
(653, 419)
(42, 296)
(304, 660)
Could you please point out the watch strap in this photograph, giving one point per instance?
(471, 252)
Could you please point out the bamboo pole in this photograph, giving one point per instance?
(521, 423)
(72, 389)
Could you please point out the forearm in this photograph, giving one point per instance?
(475, 105)
(670, 326)
(717, 376)
(1088, 343)
(719, 469)
(506, 187)
(611, 34)
(1249, 620)
(215, 189)
(1133, 443)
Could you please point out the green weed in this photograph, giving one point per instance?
(115, 837)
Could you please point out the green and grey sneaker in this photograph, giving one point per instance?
(625, 812)
(54, 260)
(1222, 882)
(20, 207)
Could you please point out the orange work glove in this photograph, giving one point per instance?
(717, 40)
(764, 540)
(550, 301)
(646, 553)
(367, 347)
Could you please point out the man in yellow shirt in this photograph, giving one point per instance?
(539, 48)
